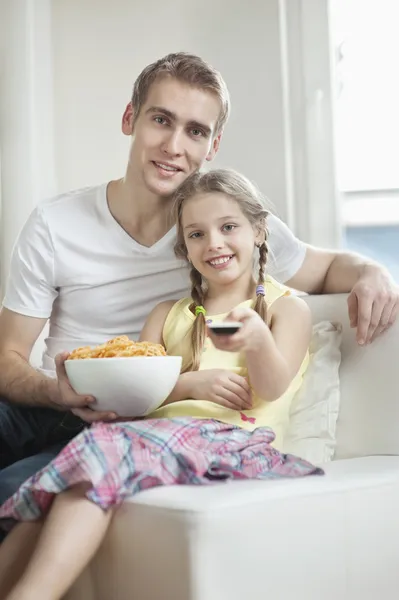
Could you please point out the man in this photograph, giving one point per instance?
(94, 262)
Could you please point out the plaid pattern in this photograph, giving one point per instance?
(120, 459)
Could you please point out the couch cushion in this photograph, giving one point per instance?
(314, 410)
(368, 421)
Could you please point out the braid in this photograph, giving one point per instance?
(199, 327)
(263, 252)
(197, 293)
(261, 305)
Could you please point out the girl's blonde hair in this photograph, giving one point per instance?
(240, 189)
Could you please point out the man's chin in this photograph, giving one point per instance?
(164, 189)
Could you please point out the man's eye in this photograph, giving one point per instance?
(160, 120)
(197, 132)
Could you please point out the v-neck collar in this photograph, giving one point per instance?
(122, 233)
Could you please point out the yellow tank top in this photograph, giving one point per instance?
(176, 335)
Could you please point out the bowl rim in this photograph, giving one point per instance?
(119, 358)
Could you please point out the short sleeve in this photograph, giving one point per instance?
(30, 287)
(286, 252)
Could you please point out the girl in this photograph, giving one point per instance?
(217, 422)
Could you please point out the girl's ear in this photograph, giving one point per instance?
(260, 233)
(260, 237)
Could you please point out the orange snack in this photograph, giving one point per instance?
(118, 346)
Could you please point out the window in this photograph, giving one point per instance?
(367, 125)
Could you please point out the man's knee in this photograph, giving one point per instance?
(12, 477)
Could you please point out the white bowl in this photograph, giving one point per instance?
(129, 386)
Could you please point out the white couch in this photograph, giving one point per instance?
(317, 538)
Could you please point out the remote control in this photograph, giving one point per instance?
(225, 327)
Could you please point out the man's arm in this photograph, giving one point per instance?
(329, 272)
(19, 381)
(22, 384)
(29, 298)
(31, 291)
(373, 297)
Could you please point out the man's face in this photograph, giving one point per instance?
(173, 134)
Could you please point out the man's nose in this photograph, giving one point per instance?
(173, 144)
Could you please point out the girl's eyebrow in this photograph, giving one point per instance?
(191, 225)
(219, 219)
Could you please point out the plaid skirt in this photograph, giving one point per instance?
(117, 460)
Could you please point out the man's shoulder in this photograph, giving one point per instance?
(274, 223)
(79, 200)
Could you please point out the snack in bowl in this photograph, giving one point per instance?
(133, 380)
(118, 346)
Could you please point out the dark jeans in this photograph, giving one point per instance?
(29, 439)
(12, 477)
(25, 431)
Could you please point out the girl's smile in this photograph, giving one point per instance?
(221, 262)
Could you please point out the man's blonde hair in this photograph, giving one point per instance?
(189, 69)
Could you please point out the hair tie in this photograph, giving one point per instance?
(200, 310)
(260, 290)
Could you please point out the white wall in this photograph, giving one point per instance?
(26, 117)
(101, 46)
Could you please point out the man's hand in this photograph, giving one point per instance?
(222, 387)
(373, 304)
(249, 337)
(70, 400)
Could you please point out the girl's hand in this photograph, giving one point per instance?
(222, 387)
(249, 337)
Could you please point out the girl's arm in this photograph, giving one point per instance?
(273, 365)
(273, 353)
(153, 327)
(153, 332)
(217, 385)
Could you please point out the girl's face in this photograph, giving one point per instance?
(220, 240)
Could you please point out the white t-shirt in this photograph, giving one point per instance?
(74, 264)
